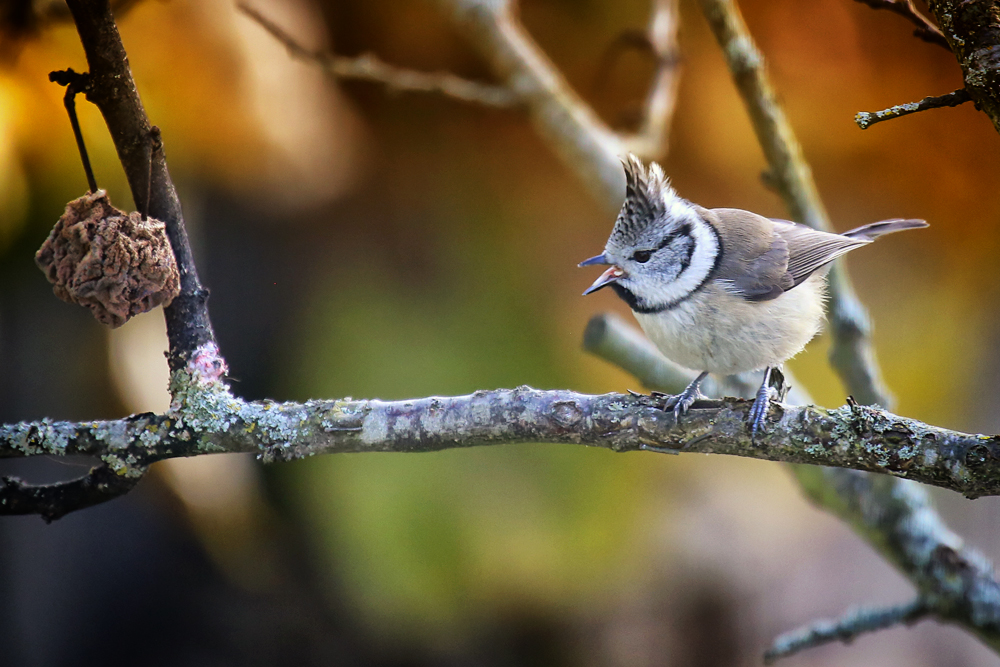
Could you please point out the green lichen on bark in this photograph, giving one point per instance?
(972, 28)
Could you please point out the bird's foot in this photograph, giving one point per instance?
(761, 404)
(683, 401)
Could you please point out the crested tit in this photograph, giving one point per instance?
(720, 290)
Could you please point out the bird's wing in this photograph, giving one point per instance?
(809, 249)
(755, 257)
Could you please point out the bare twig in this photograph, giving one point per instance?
(925, 30)
(845, 629)
(866, 119)
(369, 68)
(956, 582)
(76, 83)
(578, 136)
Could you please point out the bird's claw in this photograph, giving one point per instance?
(758, 412)
(683, 401)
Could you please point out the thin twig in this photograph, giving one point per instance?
(584, 142)
(866, 119)
(76, 83)
(369, 68)
(846, 628)
(925, 30)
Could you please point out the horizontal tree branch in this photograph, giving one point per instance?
(857, 437)
(369, 68)
(866, 119)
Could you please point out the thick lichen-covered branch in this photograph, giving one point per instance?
(212, 420)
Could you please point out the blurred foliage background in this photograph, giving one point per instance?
(370, 244)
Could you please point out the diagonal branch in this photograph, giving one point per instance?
(845, 629)
(113, 90)
(925, 30)
(369, 68)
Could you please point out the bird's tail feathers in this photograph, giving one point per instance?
(874, 230)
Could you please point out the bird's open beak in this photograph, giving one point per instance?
(608, 277)
(600, 259)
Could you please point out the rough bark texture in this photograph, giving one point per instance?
(213, 421)
(972, 28)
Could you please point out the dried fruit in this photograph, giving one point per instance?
(110, 261)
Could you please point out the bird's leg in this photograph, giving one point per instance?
(760, 405)
(684, 400)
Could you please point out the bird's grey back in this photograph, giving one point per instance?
(762, 257)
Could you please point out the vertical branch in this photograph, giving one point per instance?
(852, 355)
(113, 90)
(972, 31)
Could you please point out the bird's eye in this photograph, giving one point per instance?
(642, 256)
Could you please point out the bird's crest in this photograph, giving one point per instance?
(647, 195)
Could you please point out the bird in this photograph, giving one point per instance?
(720, 290)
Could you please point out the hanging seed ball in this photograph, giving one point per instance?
(110, 261)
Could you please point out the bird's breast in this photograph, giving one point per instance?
(721, 333)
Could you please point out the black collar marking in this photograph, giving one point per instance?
(628, 297)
